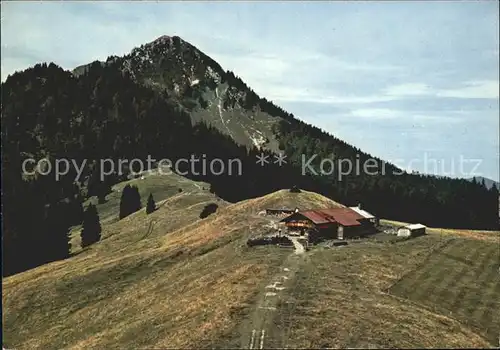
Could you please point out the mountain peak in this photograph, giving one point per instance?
(164, 39)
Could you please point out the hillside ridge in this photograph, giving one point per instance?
(193, 283)
(167, 99)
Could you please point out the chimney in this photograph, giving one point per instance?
(359, 206)
(296, 210)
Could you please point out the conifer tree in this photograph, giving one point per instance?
(103, 191)
(79, 211)
(130, 201)
(91, 231)
(151, 205)
(483, 183)
(56, 239)
(135, 200)
(494, 190)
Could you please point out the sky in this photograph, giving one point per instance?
(415, 83)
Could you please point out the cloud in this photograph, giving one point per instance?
(292, 94)
(377, 113)
(408, 89)
(486, 89)
(474, 89)
(404, 117)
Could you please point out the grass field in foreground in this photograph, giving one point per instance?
(340, 299)
(462, 280)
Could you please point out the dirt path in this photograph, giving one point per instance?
(299, 248)
(259, 332)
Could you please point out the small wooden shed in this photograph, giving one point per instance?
(411, 230)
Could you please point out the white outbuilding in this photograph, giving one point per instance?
(411, 230)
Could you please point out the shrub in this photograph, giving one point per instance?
(208, 210)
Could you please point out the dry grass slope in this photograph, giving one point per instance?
(340, 300)
(285, 199)
(164, 279)
(462, 280)
(170, 279)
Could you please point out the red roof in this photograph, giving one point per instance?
(343, 216)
